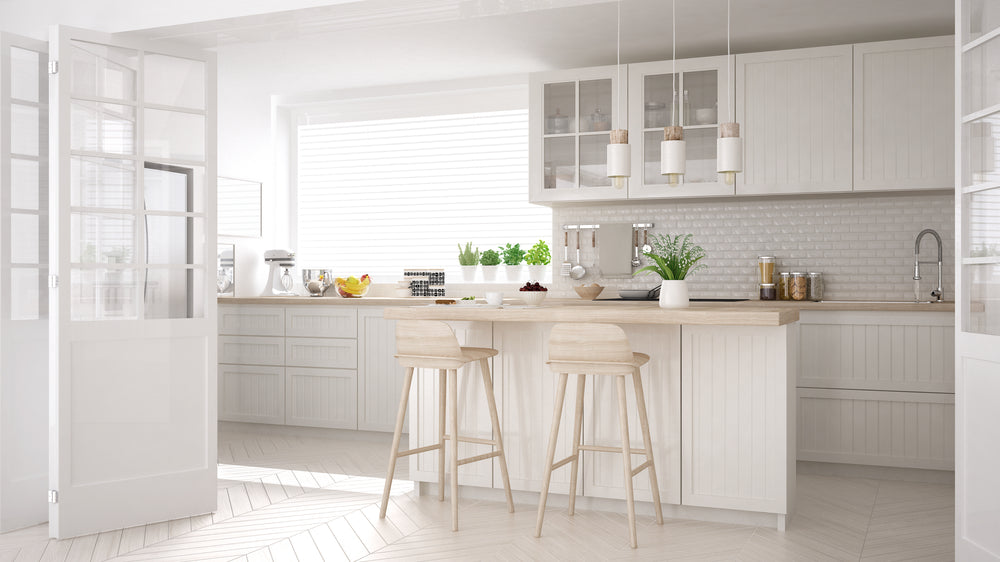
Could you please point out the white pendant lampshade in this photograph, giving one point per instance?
(730, 152)
(619, 159)
(673, 155)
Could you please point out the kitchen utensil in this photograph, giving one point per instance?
(592, 268)
(588, 292)
(317, 281)
(279, 277)
(635, 247)
(566, 266)
(578, 271)
(646, 248)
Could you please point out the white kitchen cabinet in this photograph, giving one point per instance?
(569, 124)
(250, 320)
(252, 350)
(249, 393)
(321, 321)
(473, 418)
(380, 377)
(321, 352)
(794, 110)
(904, 114)
(251, 363)
(701, 94)
(321, 397)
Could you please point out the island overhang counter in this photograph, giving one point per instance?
(720, 390)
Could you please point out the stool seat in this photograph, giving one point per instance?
(599, 367)
(466, 355)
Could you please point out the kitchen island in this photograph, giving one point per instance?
(720, 390)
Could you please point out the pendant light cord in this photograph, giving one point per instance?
(729, 54)
(619, 69)
(673, 68)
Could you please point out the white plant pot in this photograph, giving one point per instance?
(674, 294)
(514, 273)
(469, 273)
(490, 273)
(537, 272)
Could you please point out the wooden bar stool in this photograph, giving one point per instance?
(597, 349)
(429, 344)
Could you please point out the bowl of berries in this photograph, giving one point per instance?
(533, 293)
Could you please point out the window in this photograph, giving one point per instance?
(378, 196)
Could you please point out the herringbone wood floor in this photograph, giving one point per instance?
(313, 495)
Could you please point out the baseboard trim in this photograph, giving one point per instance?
(877, 472)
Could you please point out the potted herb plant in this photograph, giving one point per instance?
(469, 261)
(512, 258)
(674, 259)
(538, 258)
(489, 259)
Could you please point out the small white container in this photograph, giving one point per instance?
(532, 298)
(494, 298)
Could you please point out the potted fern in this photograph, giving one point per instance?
(674, 259)
(512, 258)
(468, 261)
(490, 259)
(538, 258)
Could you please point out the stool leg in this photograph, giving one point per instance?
(550, 456)
(640, 402)
(442, 409)
(394, 453)
(453, 406)
(484, 367)
(626, 457)
(581, 380)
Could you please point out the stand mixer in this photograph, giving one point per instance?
(279, 278)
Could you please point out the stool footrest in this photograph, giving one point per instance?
(418, 450)
(641, 467)
(604, 449)
(481, 457)
(479, 440)
(566, 460)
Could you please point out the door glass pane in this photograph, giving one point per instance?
(171, 292)
(983, 219)
(984, 298)
(560, 108)
(24, 74)
(25, 291)
(174, 81)
(980, 156)
(25, 130)
(651, 157)
(102, 127)
(174, 134)
(594, 161)
(174, 240)
(980, 89)
(102, 182)
(701, 97)
(102, 238)
(102, 71)
(559, 163)
(173, 188)
(24, 186)
(701, 161)
(981, 16)
(103, 294)
(596, 105)
(23, 238)
(658, 100)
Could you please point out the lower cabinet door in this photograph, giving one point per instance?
(321, 397)
(251, 393)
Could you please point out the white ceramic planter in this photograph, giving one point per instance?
(674, 294)
(490, 273)
(469, 273)
(537, 272)
(514, 273)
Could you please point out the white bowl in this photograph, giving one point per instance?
(532, 298)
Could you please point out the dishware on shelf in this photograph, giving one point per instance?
(317, 281)
(705, 116)
(588, 292)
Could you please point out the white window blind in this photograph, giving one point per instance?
(383, 195)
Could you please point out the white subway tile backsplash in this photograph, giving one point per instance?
(862, 244)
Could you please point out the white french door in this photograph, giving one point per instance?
(132, 231)
(977, 221)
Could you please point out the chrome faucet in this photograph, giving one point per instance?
(936, 294)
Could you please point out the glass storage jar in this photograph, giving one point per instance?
(815, 286)
(798, 286)
(784, 281)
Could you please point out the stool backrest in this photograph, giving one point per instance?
(589, 343)
(426, 338)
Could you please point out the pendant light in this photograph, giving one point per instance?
(619, 160)
(673, 149)
(729, 145)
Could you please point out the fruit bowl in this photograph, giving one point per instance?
(588, 292)
(353, 287)
(532, 293)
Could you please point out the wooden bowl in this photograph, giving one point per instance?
(588, 292)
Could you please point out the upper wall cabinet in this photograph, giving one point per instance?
(570, 122)
(697, 97)
(794, 108)
(904, 114)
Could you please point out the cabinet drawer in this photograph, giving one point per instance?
(900, 429)
(321, 397)
(252, 394)
(321, 322)
(239, 320)
(250, 350)
(332, 353)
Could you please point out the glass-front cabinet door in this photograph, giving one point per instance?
(697, 97)
(572, 115)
